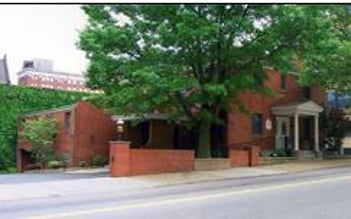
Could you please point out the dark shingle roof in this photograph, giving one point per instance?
(4, 73)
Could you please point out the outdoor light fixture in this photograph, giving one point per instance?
(120, 129)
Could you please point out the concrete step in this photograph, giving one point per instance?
(306, 155)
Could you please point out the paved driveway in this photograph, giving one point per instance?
(31, 177)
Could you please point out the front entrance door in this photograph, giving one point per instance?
(282, 132)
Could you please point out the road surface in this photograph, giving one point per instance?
(315, 194)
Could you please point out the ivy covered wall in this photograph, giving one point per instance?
(18, 100)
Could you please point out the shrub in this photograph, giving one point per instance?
(82, 163)
(55, 164)
(99, 160)
(41, 134)
(11, 169)
(279, 153)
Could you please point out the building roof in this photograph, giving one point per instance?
(304, 108)
(4, 73)
(49, 111)
(148, 116)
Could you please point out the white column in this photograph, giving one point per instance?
(296, 132)
(316, 133)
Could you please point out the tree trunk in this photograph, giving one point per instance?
(204, 149)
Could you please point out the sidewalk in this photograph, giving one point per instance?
(98, 185)
(94, 185)
(301, 166)
(243, 172)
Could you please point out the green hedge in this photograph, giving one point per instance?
(18, 100)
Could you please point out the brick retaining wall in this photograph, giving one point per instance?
(245, 157)
(127, 162)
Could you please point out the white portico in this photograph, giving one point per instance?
(296, 110)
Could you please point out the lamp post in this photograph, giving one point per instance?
(120, 129)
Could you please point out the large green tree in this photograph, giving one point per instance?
(194, 60)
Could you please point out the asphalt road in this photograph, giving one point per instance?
(316, 194)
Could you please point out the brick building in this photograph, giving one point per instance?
(270, 124)
(288, 120)
(83, 131)
(4, 72)
(40, 73)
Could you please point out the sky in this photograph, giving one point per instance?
(42, 31)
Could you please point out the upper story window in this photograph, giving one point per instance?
(283, 82)
(67, 121)
(28, 64)
(256, 124)
(306, 92)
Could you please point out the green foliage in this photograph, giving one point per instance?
(328, 60)
(40, 133)
(277, 152)
(55, 164)
(9, 170)
(16, 101)
(195, 60)
(336, 126)
(99, 160)
(82, 163)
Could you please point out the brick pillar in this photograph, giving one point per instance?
(119, 158)
(20, 166)
(254, 156)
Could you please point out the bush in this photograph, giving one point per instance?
(279, 153)
(11, 169)
(40, 133)
(82, 163)
(55, 164)
(99, 160)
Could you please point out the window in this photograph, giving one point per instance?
(67, 121)
(306, 92)
(256, 126)
(283, 82)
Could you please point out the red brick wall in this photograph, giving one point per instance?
(254, 156)
(125, 161)
(92, 132)
(245, 157)
(239, 158)
(64, 141)
(239, 124)
(63, 144)
(119, 161)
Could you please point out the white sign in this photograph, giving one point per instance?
(268, 124)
